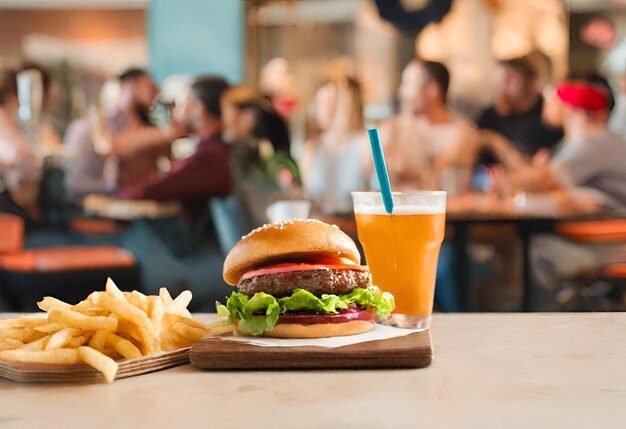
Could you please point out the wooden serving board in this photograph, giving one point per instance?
(411, 351)
(48, 373)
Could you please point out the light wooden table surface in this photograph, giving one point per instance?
(490, 371)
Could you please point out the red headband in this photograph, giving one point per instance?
(582, 96)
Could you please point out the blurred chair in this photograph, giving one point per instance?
(602, 231)
(95, 226)
(11, 234)
(604, 289)
(232, 221)
(69, 273)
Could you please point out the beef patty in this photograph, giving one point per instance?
(318, 282)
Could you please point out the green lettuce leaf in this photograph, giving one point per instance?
(260, 313)
(222, 311)
(302, 300)
(371, 297)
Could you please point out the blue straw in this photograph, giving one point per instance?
(381, 168)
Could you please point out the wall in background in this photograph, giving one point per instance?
(104, 39)
(196, 36)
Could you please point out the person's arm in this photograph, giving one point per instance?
(202, 175)
(504, 151)
(563, 202)
(137, 139)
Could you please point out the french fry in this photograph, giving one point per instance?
(112, 353)
(23, 322)
(165, 296)
(172, 318)
(113, 291)
(123, 309)
(48, 303)
(188, 332)
(61, 338)
(133, 314)
(103, 327)
(9, 344)
(222, 329)
(50, 327)
(79, 321)
(179, 305)
(37, 345)
(24, 335)
(84, 304)
(129, 328)
(93, 311)
(99, 339)
(124, 347)
(157, 311)
(101, 362)
(79, 341)
(216, 328)
(139, 300)
(176, 341)
(56, 356)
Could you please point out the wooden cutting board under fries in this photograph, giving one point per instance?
(113, 333)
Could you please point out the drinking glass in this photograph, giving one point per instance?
(402, 249)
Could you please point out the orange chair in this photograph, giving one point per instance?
(95, 226)
(606, 231)
(617, 271)
(11, 233)
(69, 273)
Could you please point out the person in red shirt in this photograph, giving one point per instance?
(207, 173)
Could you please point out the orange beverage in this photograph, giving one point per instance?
(402, 249)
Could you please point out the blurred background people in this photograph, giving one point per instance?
(516, 114)
(122, 137)
(20, 166)
(89, 167)
(591, 169)
(277, 83)
(184, 251)
(280, 135)
(426, 142)
(335, 162)
(135, 141)
(589, 157)
(14, 147)
(47, 139)
(206, 173)
(260, 144)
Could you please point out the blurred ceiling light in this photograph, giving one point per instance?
(509, 44)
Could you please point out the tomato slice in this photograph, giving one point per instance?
(292, 267)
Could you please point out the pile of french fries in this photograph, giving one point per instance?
(105, 327)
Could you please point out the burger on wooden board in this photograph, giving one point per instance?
(301, 279)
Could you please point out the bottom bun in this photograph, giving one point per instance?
(318, 330)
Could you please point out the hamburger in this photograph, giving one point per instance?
(301, 279)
